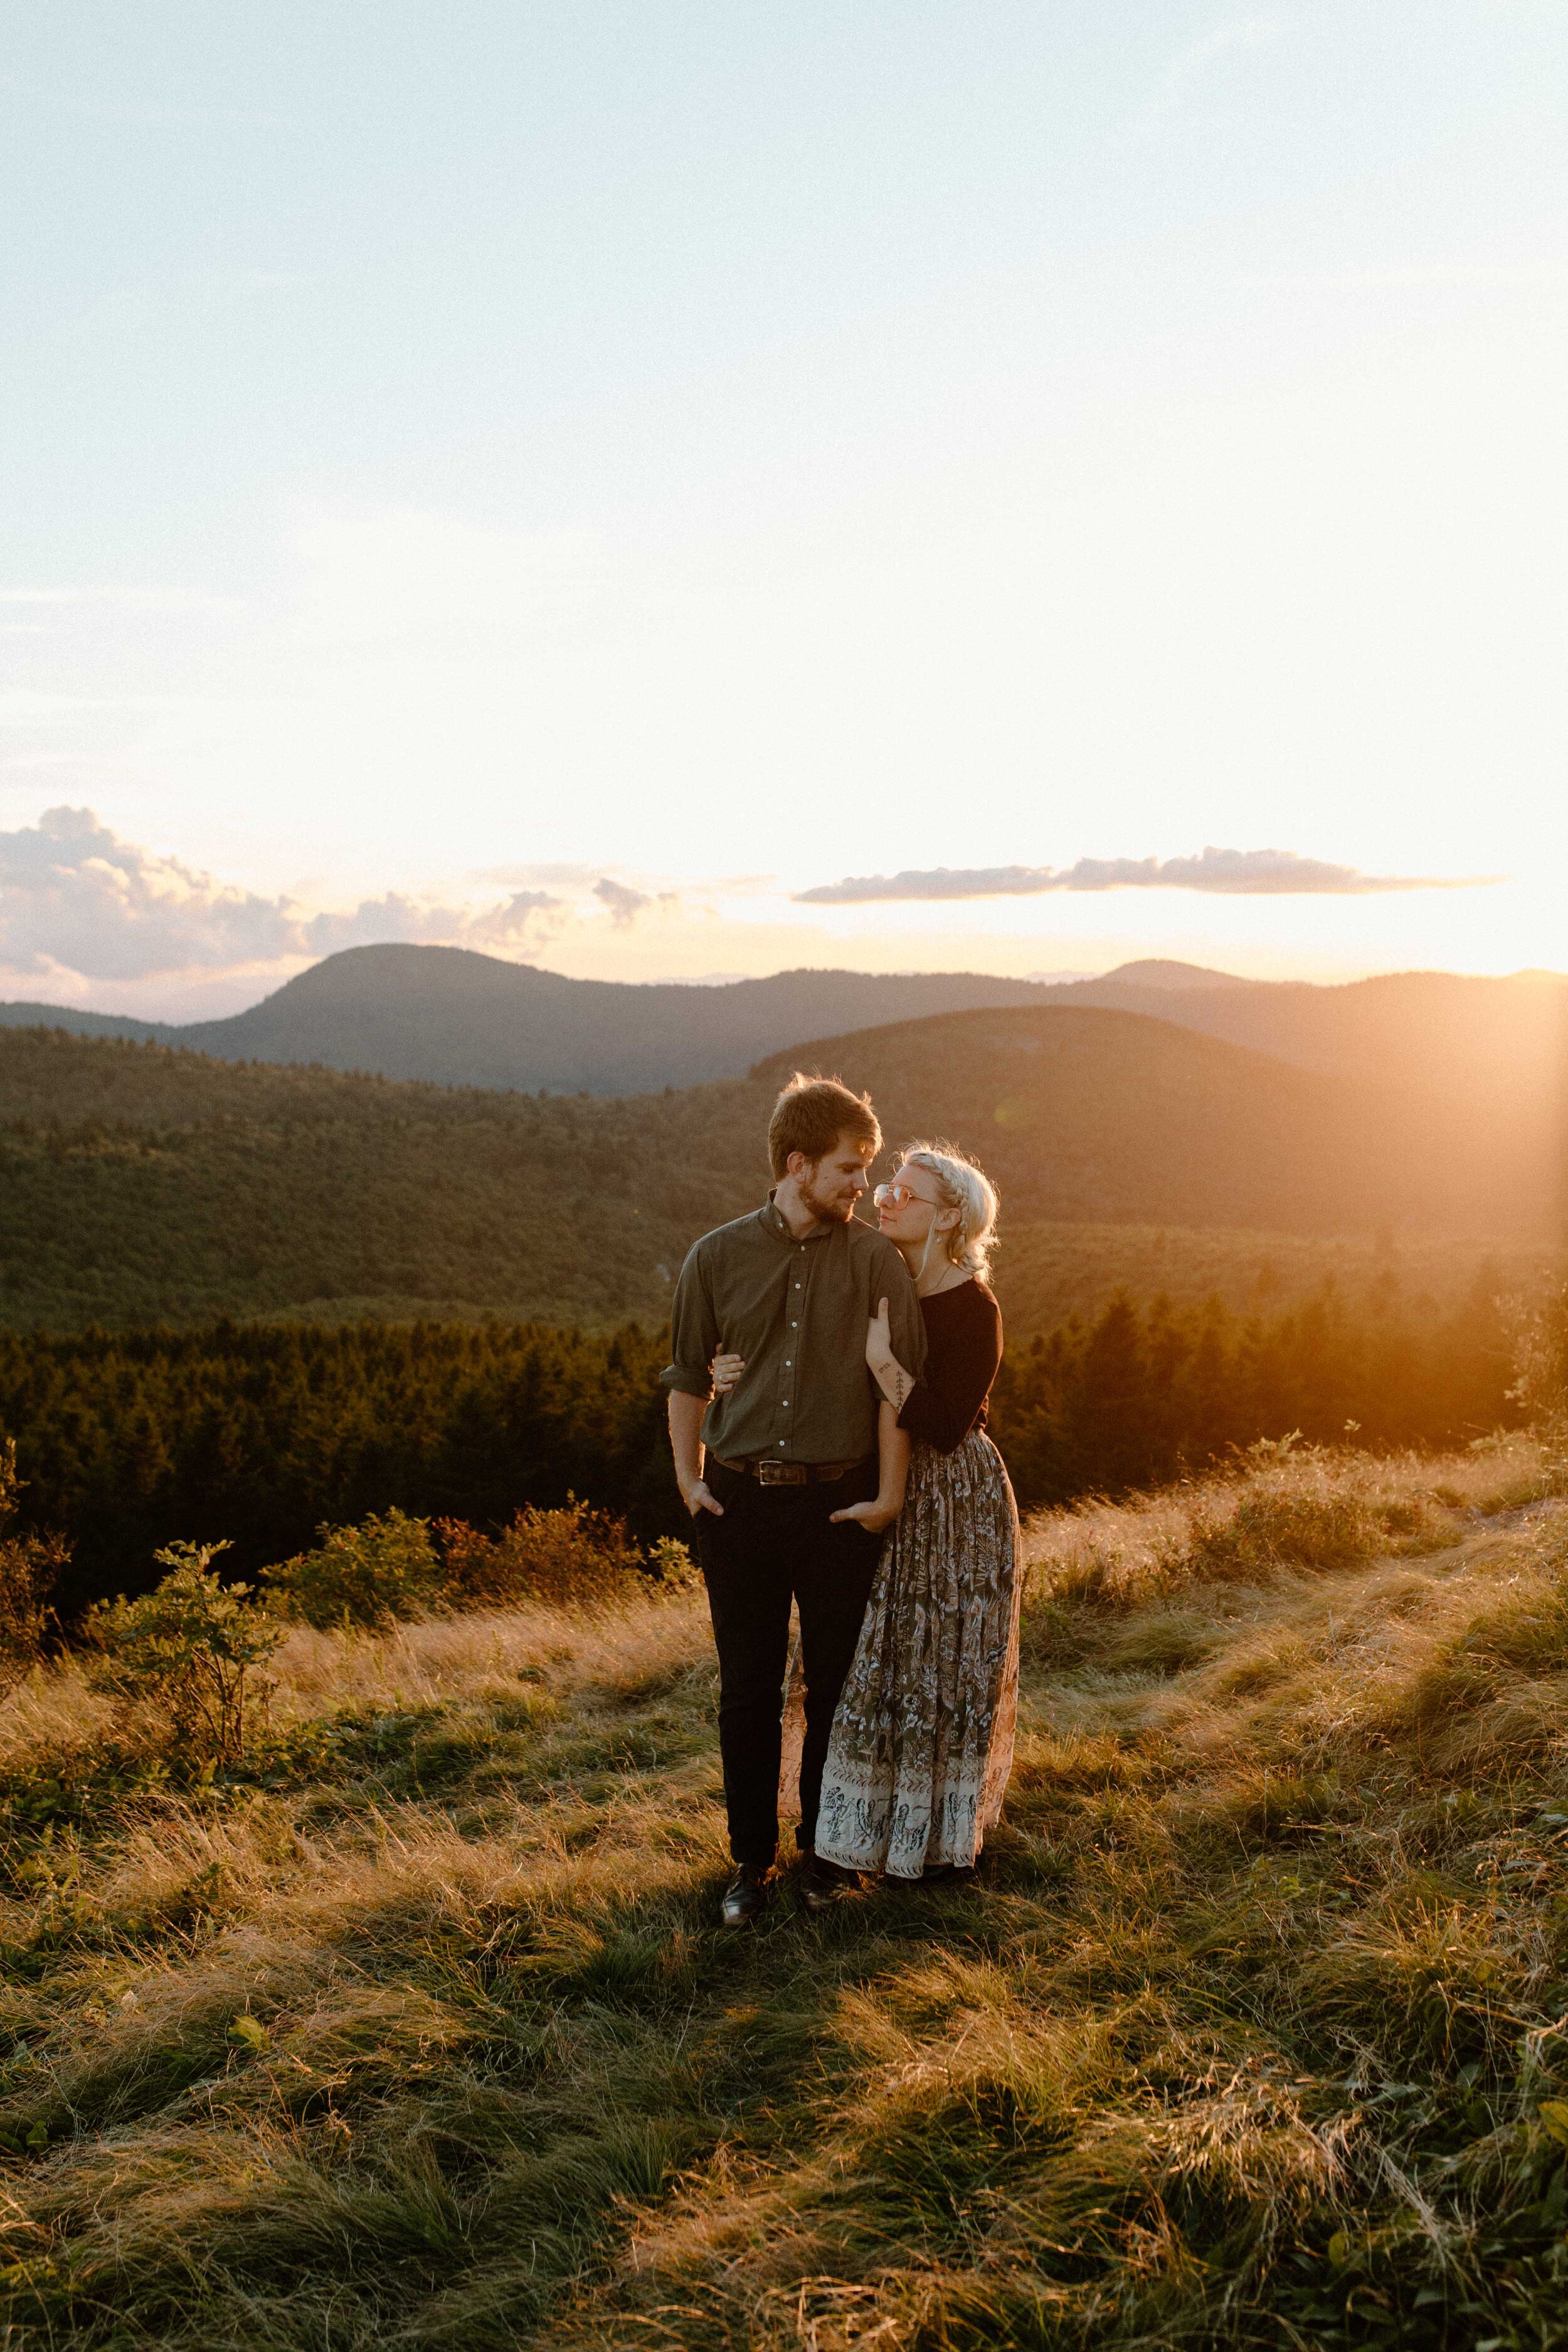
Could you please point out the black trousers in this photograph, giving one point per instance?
(774, 1543)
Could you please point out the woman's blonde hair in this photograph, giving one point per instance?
(963, 1186)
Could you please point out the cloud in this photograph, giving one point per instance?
(624, 903)
(1249, 873)
(1249, 32)
(129, 600)
(565, 876)
(74, 895)
(415, 922)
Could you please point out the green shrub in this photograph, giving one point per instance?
(1293, 1524)
(190, 1649)
(573, 1554)
(377, 1574)
(1541, 1374)
(29, 1568)
(670, 1564)
(1270, 1530)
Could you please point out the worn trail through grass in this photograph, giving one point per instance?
(417, 2030)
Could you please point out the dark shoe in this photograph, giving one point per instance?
(745, 1897)
(823, 1883)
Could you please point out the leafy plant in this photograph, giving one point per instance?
(573, 1554)
(670, 1562)
(29, 1564)
(377, 1574)
(191, 1649)
(1541, 1369)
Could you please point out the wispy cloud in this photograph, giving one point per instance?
(624, 903)
(558, 875)
(1246, 873)
(129, 600)
(1250, 30)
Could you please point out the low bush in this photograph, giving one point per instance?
(1280, 1529)
(29, 1566)
(1280, 1507)
(1541, 1355)
(190, 1650)
(380, 1573)
(574, 1554)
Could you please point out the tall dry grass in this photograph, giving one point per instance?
(418, 2032)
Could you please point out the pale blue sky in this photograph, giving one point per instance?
(735, 447)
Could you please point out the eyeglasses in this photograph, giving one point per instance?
(898, 1196)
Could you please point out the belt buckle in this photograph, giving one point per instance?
(781, 1474)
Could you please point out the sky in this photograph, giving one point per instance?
(589, 482)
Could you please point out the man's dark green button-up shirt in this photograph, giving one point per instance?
(797, 1311)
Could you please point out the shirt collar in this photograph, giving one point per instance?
(772, 1217)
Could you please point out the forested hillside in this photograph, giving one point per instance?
(1489, 1043)
(1096, 1114)
(142, 1184)
(255, 1435)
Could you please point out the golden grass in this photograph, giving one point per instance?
(418, 2032)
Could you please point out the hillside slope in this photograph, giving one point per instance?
(1499, 1047)
(1099, 1114)
(23, 1012)
(141, 1183)
(414, 2029)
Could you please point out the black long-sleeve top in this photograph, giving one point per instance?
(964, 1348)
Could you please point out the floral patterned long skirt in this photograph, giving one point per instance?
(922, 1738)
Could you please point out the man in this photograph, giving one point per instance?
(762, 1469)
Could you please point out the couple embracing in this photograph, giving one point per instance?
(826, 1407)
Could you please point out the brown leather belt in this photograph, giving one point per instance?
(768, 1473)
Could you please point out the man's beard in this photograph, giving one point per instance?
(828, 1212)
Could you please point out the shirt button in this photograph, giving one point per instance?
(794, 1327)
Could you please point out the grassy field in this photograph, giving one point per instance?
(416, 2031)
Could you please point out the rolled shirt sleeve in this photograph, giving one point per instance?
(693, 1330)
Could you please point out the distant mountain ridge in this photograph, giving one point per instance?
(449, 1016)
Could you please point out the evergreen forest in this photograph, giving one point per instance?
(260, 1433)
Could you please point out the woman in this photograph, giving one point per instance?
(922, 1738)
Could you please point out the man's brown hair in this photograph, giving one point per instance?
(812, 1114)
